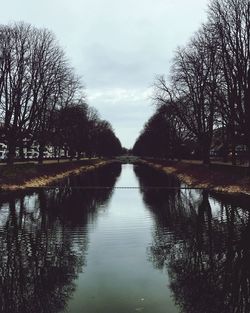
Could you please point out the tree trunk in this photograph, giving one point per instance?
(233, 153)
(247, 106)
(233, 156)
(21, 147)
(11, 151)
(206, 156)
(59, 155)
(248, 151)
(206, 144)
(225, 145)
(41, 151)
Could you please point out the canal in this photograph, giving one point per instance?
(125, 238)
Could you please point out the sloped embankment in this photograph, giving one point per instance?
(219, 178)
(30, 175)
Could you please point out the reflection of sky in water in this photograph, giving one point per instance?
(4, 214)
(127, 179)
(31, 203)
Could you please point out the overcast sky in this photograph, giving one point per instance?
(116, 46)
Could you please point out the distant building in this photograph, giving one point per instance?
(222, 144)
(3, 151)
(32, 151)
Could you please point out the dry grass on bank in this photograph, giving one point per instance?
(21, 176)
(227, 179)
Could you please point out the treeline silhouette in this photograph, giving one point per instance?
(42, 100)
(203, 244)
(44, 236)
(205, 103)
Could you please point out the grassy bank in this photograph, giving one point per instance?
(21, 176)
(226, 179)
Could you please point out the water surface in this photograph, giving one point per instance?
(93, 245)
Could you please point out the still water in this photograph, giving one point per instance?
(91, 245)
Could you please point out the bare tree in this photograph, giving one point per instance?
(231, 24)
(35, 80)
(195, 75)
(15, 77)
(194, 80)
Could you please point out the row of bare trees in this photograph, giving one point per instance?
(37, 84)
(209, 86)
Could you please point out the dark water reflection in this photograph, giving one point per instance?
(73, 248)
(43, 242)
(204, 242)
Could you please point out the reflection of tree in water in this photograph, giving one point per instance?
(43, 243)
(204, 244)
